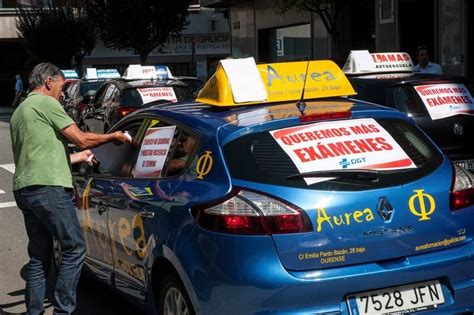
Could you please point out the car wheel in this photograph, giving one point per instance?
(172, 298)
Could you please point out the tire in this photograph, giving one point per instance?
(172, 298)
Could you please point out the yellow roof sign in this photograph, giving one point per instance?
(283, 82)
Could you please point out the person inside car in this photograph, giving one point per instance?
(185, 147)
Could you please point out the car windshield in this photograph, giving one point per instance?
(85, 87)
(257, 157)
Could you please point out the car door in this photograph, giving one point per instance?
(93, 188)
(94, 120)
(139, 223)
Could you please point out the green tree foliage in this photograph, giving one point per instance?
(61, 35)
(140, 26)
(330, 12)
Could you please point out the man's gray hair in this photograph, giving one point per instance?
(41, 72)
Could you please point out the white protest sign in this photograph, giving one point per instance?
(153, 152)
(157, 93)
(335, 145)
(445, 100)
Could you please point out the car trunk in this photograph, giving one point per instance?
(354, 220)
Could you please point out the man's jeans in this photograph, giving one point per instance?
(49, 212)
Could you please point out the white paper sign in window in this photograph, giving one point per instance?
(336, 145)
(445, 100)
(153, 152)
(157, 93)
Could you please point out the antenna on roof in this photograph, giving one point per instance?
(301, 105)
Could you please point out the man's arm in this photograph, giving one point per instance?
(87, 140)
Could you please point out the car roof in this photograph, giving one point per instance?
(127, 83)
(231, 119)
(389, 79)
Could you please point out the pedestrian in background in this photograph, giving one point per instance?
(18, 91)
(42, 186)
(424, 65)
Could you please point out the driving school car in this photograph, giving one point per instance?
(441, 105)
(290, 199)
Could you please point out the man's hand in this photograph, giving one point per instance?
(120, 137)
(81, 156)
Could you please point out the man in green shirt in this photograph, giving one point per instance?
(42, 186)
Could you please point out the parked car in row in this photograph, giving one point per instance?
(287, 201)
(442, 105)
(195, 84)
(80, 93)
(119, 97)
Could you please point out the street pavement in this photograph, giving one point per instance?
(93, 297)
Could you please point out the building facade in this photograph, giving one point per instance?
(257, 29)
(205, 40)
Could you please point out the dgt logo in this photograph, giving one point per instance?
(345, 162)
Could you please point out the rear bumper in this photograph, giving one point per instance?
(246, 277)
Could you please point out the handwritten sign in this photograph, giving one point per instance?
(153, 152)
(157, 93)
(352, 144)
(445, 100)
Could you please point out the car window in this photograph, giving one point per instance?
(89, 86)
(71, 90)
(131, 97)
(183, 93)
(404, 99)
(257, 157)
(99, 96)
(165, 150)
(112, 159)
(369, 92)
(110, 93)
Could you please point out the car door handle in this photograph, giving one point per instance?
(146, 213)
(102, 207)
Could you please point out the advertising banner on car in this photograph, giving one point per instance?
(336, 145)
(153, 152)
(157, 93)
(445, 100)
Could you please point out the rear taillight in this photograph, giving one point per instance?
(124, 111)
(251, 213)
(462, 192)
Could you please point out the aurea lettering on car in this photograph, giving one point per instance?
(283, 82)
(346, 218)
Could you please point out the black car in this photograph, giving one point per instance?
(78, 95)
(119, 97)
(442, 105)
(194, 83)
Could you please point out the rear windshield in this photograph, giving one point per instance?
(406, 99)
(257, 157)
(131, 97)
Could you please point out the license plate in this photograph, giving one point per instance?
(401, 299)
(466, 164)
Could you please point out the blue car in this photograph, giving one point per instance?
(278, 194)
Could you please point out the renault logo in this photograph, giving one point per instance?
(384, 208)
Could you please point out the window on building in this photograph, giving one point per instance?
(284, 44)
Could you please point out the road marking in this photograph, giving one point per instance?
(7, 204)
(9, 167)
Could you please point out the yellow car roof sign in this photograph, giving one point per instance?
(283, 82)
(363, 62)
